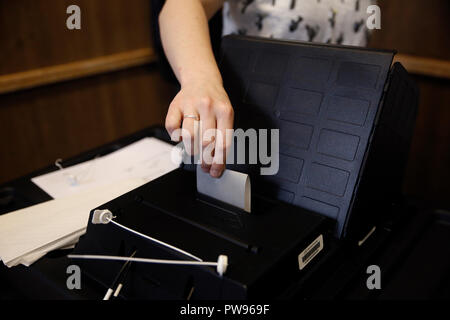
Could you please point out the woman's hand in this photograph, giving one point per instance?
(207, 100)
(185, 38)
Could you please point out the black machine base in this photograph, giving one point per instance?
(263, 247)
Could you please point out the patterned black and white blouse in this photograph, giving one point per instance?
(325, 21)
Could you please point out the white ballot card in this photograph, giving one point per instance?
(232, 188)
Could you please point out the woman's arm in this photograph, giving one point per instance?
(186, 42)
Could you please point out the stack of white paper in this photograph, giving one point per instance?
(28, 234)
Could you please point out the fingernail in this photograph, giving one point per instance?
(205, 169)
(215, 173)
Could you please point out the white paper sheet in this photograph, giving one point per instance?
(145, 159)
(28, 234)
(232, 187)
(31, 257)
(36, 230)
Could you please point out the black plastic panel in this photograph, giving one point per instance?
(324, 99)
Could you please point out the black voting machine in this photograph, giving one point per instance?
(345, 117)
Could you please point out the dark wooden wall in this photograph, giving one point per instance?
(60, 120)
(33, 33)
(422, 28)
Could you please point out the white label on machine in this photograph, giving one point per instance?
(310, 252)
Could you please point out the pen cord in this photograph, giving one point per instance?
(143, 260)
(221, 264)
(155, 240)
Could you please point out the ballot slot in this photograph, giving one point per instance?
(228, 210)
(207, 223)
